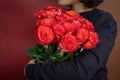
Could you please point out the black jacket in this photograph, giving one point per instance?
(91, 64)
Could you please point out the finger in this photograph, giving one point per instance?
(41, 61)
(32, 61)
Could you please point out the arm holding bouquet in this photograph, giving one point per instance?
(97, 42)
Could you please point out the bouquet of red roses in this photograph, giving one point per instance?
(61, 35)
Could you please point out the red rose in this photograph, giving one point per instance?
(59, 12)
(92, 42)
(88, 25)
(67, 17)
(69, 27)
(59, 30)
(48, 22)
(50, 14)
(45, 35)
(40, 13)
(77, 24)
(37, 22)
(73, 13)
(60, 19)
(80, 19)
(68, 43)
(82, 35)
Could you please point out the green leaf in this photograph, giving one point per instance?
(50, 48)
(60, 54)
(53, 58)
(30, 52)
(47, 51)
(63, 58)
(34, 53)
(39, 50)
(37, 45)
(77, 53)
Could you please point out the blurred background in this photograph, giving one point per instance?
(17, 24)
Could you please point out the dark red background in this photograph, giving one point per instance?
(17, 24)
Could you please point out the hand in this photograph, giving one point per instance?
(41, 61)
(32, 61)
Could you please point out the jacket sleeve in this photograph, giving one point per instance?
(84, 66)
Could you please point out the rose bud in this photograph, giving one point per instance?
(73, 13)
(88, 25)
(45, 35)
(68, 43)
(69, 27)
(82, 35)
(92, 42)
(48, 22)
(59, 30)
